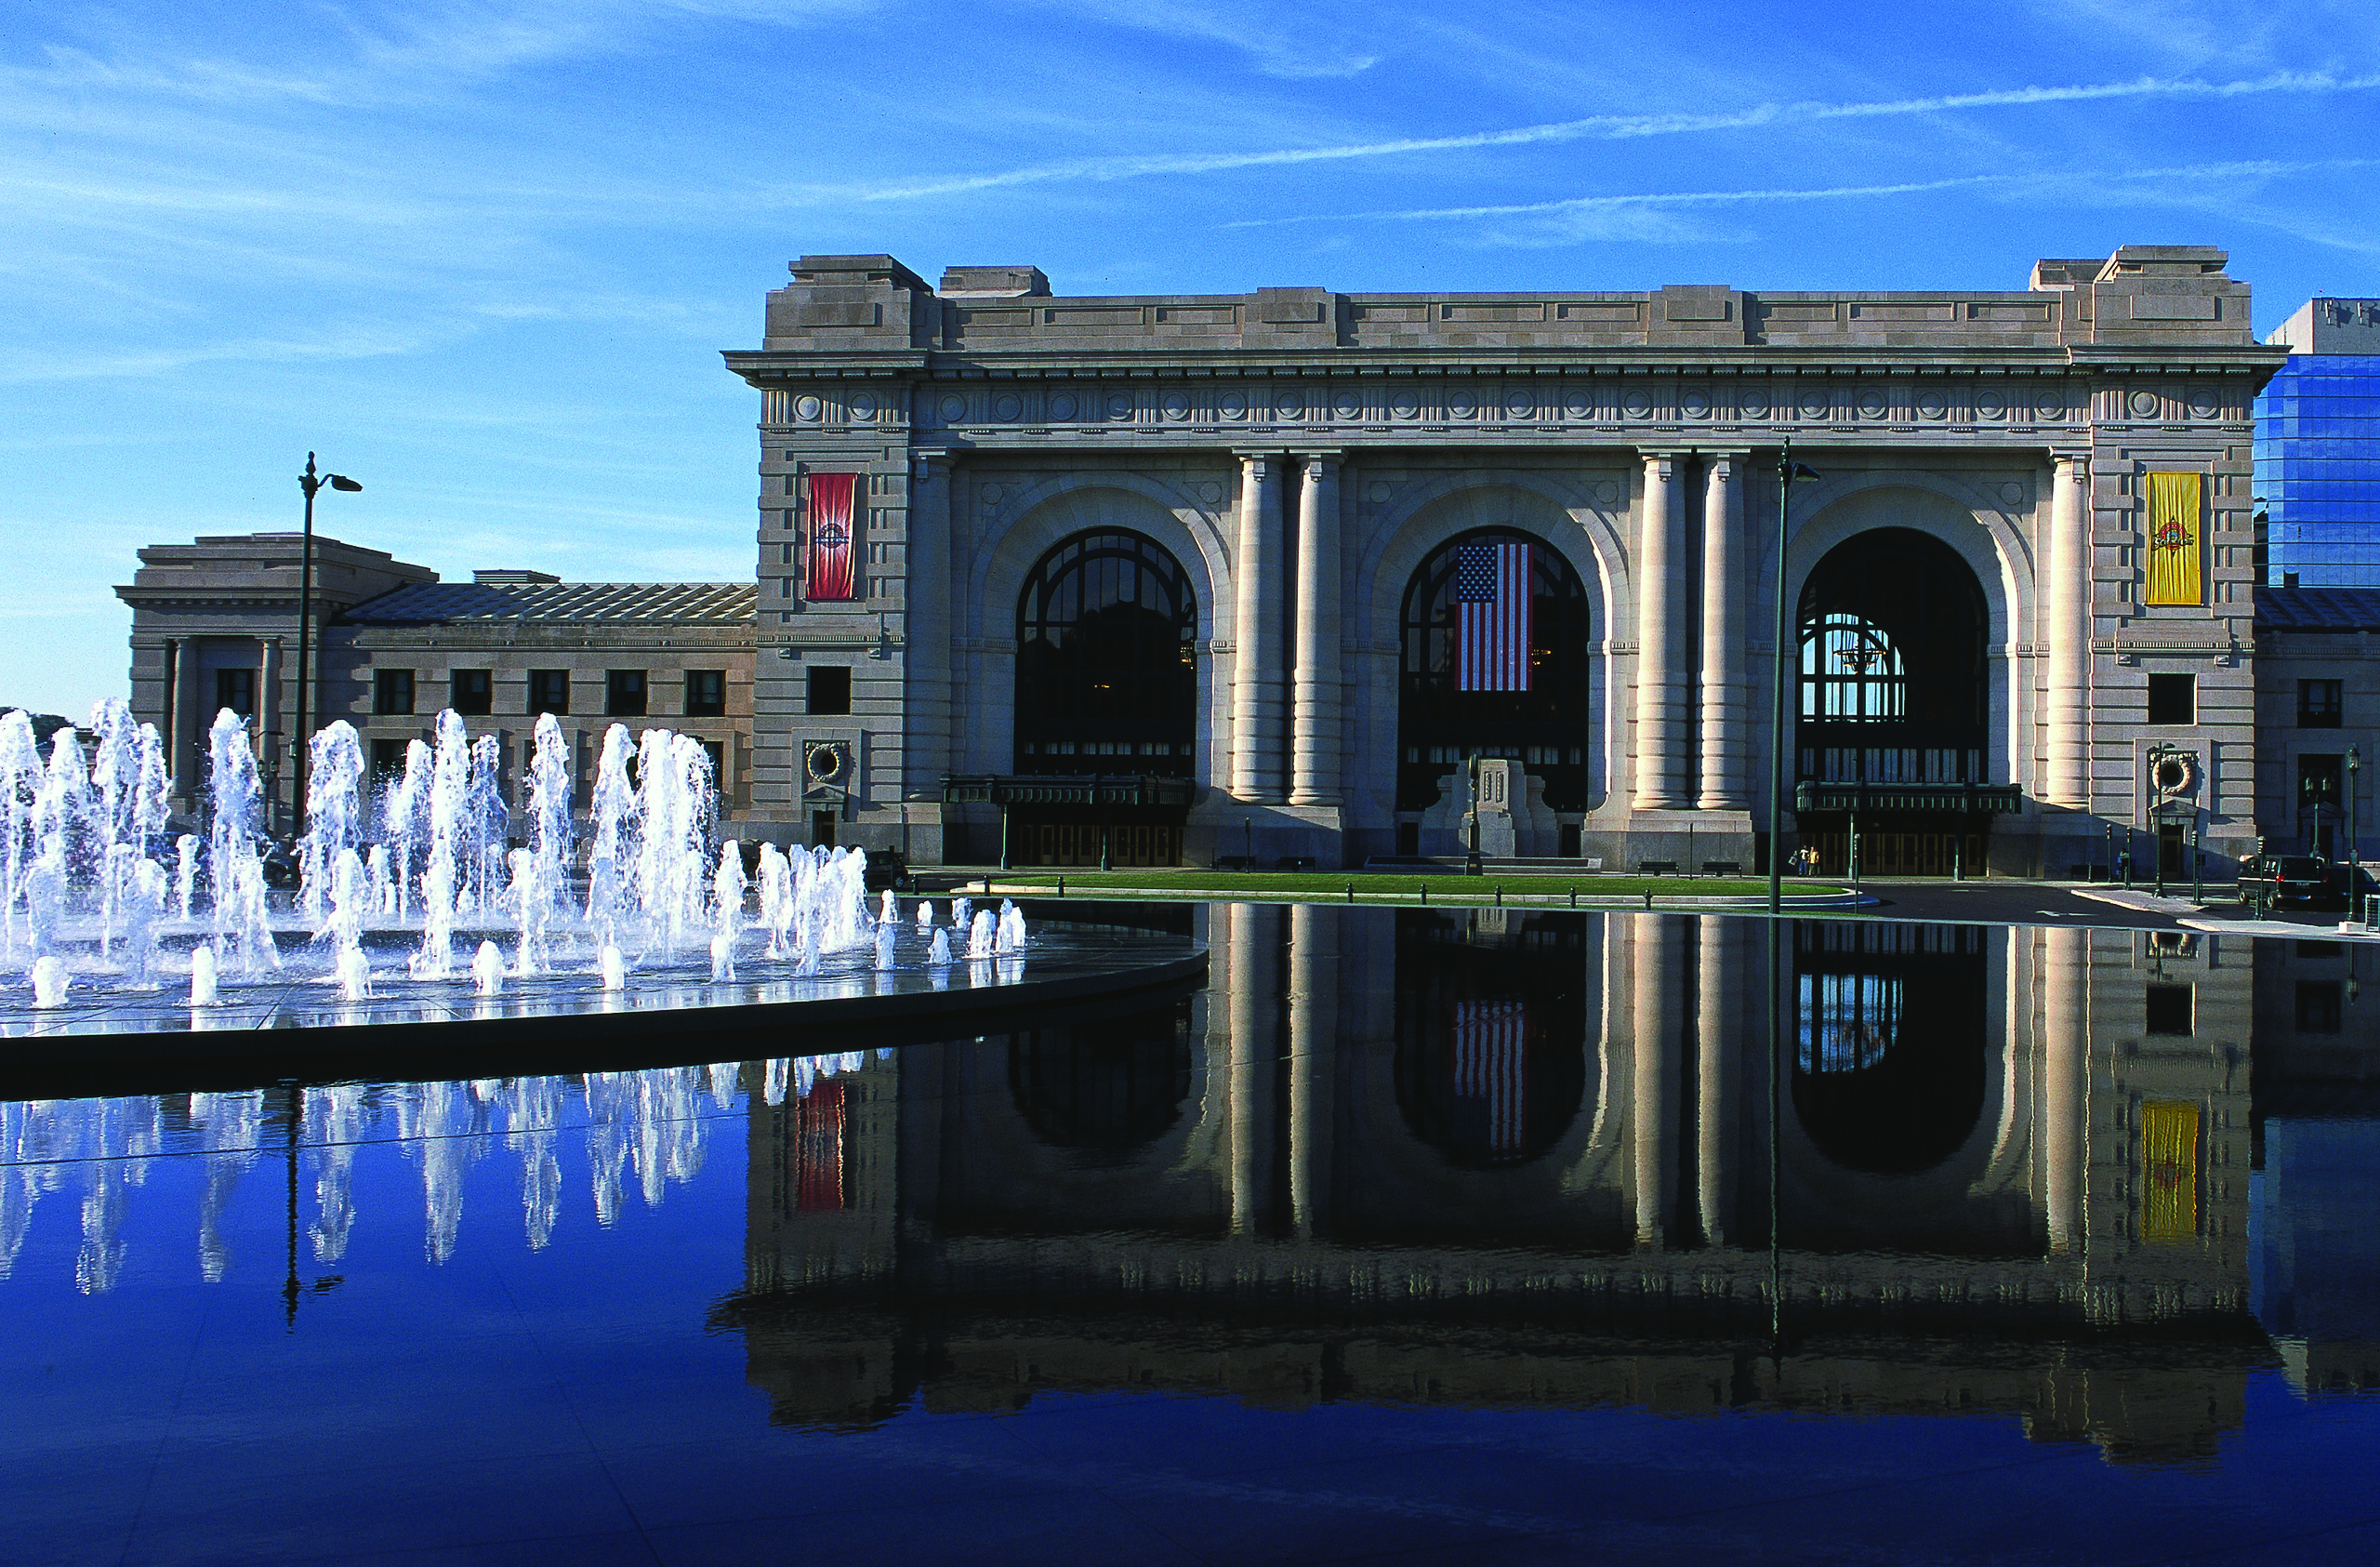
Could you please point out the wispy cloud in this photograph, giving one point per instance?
(1591, 210)
(1259, 32)
(1601, 127)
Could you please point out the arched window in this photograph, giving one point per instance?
(1892, 663)
(1493, 668)
(1106, 678)
(1851, 671)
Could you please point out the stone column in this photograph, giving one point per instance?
(265, 731)
(1653, 975)
(1255, 1055)
(1314, 1029)
(925, 637)
(1313, 779)
(2067, 739)
(1718, 1017)
(181, 753)
(1660, 696)
(1256, 682)
(1723, 642)
(2066, 1079)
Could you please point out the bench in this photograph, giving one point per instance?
(1235, 862)
(1294, 862)
(1657, 868)
(1723, 868)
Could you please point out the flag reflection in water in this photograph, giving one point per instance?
(1491, 1050)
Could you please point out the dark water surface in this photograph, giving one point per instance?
(1426, 1236)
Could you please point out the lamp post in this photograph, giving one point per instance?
(310, 482)
(2354, 854)
(1787, 471)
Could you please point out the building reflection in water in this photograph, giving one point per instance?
(1514, 1157)
(1455, 1156)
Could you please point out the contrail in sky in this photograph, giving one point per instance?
(2253, 168)
(1607, 127)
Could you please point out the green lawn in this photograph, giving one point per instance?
(1450, 886)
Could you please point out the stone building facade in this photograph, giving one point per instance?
(1179, 577)
(1302, 460)
(2318, 719)
(215, 624)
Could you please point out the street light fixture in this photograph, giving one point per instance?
(310, 482)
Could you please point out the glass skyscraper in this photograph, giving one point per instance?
(2318, 448)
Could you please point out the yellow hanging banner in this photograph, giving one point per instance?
(2174, 510)
(2168, 1170)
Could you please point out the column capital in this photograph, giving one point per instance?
(928, 458)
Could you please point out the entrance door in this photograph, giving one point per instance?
(1134, 836)
(1915, 844)
(2172, 862)
(822, 830)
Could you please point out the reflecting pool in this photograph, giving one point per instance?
(1466, 1235)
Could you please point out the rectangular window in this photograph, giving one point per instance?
(2318, 1006)
(472, 692)
(392, 692)
(705, 693)
(2173, 698)
(549, 692)
(2168, 1010)
(623, 694)
(828, 687)
(236, 689)
(387, 759)
(2319, 704)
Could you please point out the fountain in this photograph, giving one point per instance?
(334, 818)
(203, 982)
(234, 871)
(413, 893)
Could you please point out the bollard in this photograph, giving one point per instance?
(1648, 901)
(1062, 886)
(987, 886)
(1574, 897)
(1499, 896)
(1351, 892)
(1425, 891)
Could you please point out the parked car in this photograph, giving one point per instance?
(2306, 880)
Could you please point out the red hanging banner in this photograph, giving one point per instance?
(831, 575)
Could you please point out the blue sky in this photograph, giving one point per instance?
(484, 255)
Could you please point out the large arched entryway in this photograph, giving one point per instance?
(1106, 689)
(1494, 664)
(1892, 701)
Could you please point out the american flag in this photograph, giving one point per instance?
(818, 1150)
(830, 536)
(1492, 594)
(1491, 1074)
